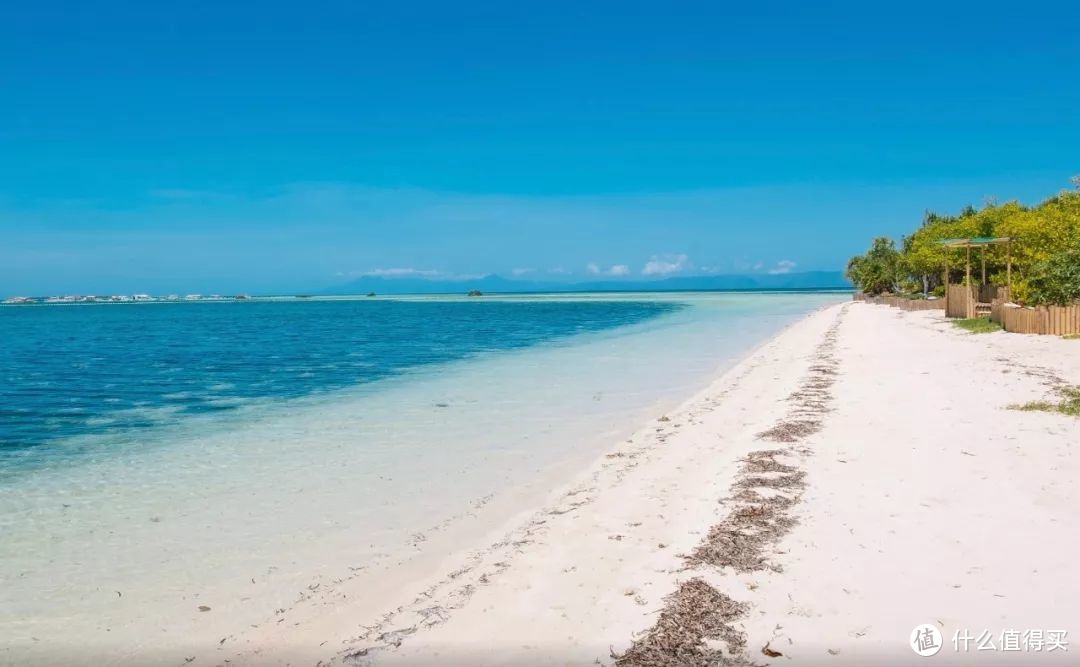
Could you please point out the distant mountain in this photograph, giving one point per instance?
(499, 284)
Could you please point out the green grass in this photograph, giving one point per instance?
(978, 325)
(1069, 404)
(1071, 336)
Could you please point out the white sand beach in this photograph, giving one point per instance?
(873, 478)
(483, 334)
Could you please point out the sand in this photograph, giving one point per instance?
(856, 476)
(925, 500)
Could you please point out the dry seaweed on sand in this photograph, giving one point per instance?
(695, 613)
(765, 461)
(740, 541)
(763, 494)
(791, 430)
(795, 480)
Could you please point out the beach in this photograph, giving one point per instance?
(183, 493)
(917, 497)
(855, 476)
(362, 334)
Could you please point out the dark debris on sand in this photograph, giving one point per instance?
(694, 613)
(763, 494)
(742, 540)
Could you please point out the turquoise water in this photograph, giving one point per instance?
(160, 457)
(116, 370)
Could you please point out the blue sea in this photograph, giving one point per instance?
(118, 370)
(155, 458)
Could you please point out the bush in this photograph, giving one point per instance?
(1056, 282)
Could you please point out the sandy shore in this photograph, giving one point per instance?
(856, 476)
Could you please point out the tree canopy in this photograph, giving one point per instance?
(1045, 251)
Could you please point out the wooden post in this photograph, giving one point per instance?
(967, 284)
(1008, 269)
(946, 282)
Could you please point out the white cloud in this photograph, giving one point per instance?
(783, 266)
(401, 273)
(662, 265)
(613, 270)
(522, 271)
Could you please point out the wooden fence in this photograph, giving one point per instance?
(960, 301)
(915, 304)
(972, 301)
(901, 302)
(997, 311)
(987, 293)
(1046, 320)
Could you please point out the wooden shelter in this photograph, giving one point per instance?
(966, 300)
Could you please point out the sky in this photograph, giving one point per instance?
(271, 147)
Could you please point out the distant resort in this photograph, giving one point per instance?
(121, 298)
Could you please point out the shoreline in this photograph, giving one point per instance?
(462, 571)
(876, 543)
(126, 629)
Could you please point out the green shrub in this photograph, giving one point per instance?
(1056, 282)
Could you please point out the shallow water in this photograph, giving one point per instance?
(336, 448)
(76, 370)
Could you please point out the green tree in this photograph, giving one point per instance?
(879, 270)
(1056, 282)
(1043, 233)
(1045, 253)
(924, 258)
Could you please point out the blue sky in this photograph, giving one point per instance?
(274, 147)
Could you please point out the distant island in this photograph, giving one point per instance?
(498, 284)
(494, 284)
(121, 298)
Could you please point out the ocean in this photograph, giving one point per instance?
(156, 458)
